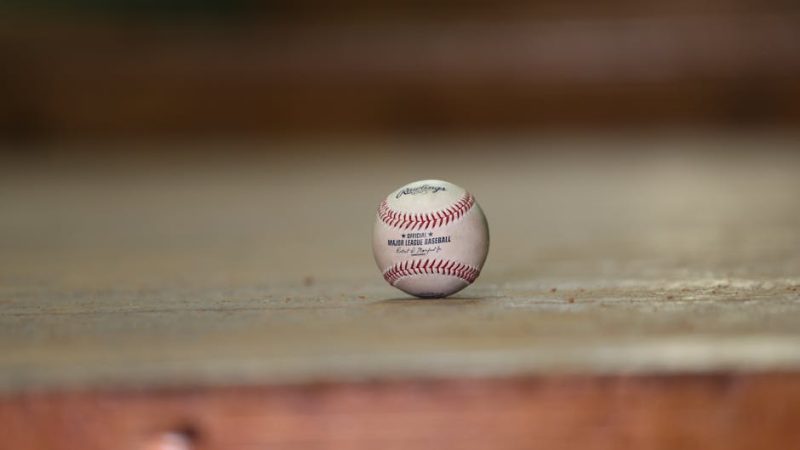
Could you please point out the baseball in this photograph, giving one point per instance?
(430, 238)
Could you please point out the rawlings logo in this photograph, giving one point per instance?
(424, 189)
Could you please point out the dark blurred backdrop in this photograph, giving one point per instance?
(153, 69)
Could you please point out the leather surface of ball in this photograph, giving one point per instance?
(430, 238)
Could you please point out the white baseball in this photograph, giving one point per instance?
(430, 238)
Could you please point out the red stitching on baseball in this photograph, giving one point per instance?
(427, 220)
(428, 266)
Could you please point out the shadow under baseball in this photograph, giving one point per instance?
(447, 301)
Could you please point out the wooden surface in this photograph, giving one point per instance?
(661, 255)
(639, 293)
(710, 412)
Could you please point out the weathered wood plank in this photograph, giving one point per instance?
(258, 270)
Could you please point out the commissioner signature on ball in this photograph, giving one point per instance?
(419, 251)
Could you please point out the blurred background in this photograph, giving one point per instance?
(119, 69)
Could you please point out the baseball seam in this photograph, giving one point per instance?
(430, 267)
(424, 221)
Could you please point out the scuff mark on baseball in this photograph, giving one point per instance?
(430, 238)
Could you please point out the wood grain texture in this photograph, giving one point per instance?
(639, 293)
(609, 256)
(709, 412)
